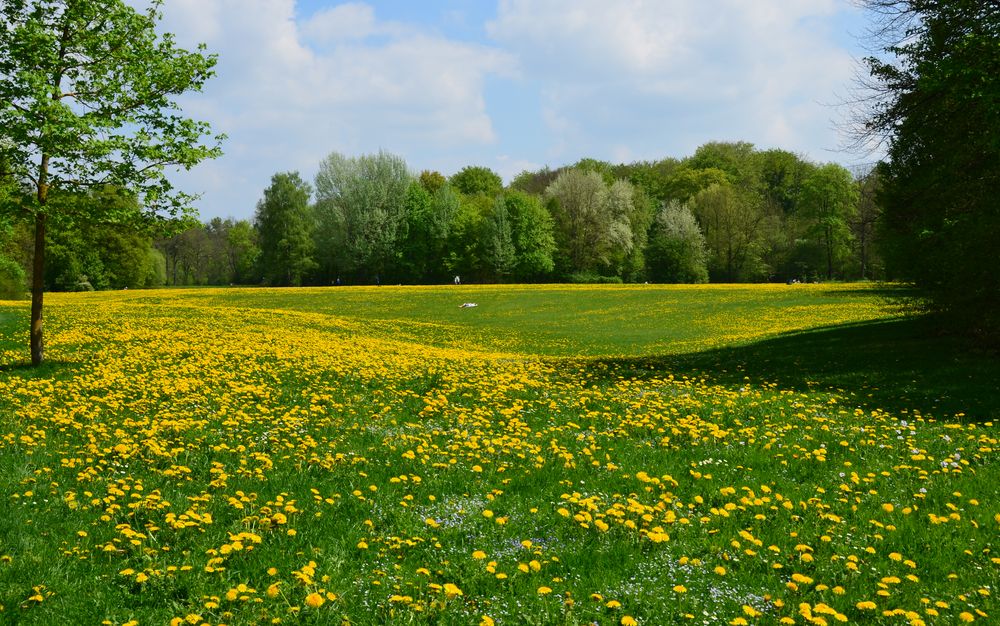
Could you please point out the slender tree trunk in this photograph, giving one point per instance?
(38, 291)
(36, 342)
(829, 253)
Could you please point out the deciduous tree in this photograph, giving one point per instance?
(87, 92)
(677, 252)
(935, 103)
(285, 230)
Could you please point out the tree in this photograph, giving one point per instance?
(935, 102)
(241, 252)
(465, 244)
(432, 180)
(735, 226)
(736, 159)
(86, 99)
(652, 177)
(285, 229)
(474, 179)
(677, 252)
(863, 226)
(364, 206)
(532, 234)
(685, 182)
(499, 240)
(829, 200)
(418, 247)
(535, 182)
(592, 225)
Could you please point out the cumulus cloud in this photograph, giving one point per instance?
(677, 72)
(539, 81)
(290, 90)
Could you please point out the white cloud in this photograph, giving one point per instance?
(728, 69)
(630, 79)
(342, 22)
(290, 91)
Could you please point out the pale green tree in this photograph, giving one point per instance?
(364, 200)
(591, 219)
(677, 252)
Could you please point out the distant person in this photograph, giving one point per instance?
(337, 282)
(458, 279)
(378, 281)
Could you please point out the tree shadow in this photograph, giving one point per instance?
(48, 368)
(903, 365)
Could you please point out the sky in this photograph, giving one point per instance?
(512, 85)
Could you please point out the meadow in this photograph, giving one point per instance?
(772, 454)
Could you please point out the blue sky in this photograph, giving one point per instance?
(512, 84)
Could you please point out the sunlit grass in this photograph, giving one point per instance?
(553, 455)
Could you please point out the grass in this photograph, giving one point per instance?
(766, 454)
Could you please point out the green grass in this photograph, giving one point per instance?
(852, 338)
(766, 430)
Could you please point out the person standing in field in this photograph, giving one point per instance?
(458, 280)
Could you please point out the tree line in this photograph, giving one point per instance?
(90, 125)
(727, 213)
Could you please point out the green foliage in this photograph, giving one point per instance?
(285, 227)
(735, 227)
(677, 252)
(939, 101)
(593, 230)
(652, 177)
(87, 90)
(473, 180)
(829, 198)
(432, 181)
(12, 275)
(533, 237)
(428, 219)
(685, 182)
(221, 252)
(534, 183)
(242, 251)
(12, 279)
(465, 245)
(95, 256)
(363, 202)
(85, 255)
(781, 178)
(735, 159)
(499, 251)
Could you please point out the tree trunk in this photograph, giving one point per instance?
(37, 291)
(829, 253)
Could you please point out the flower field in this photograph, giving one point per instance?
(371, 456)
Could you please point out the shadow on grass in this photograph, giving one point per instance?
(48, 369)
(900, 365)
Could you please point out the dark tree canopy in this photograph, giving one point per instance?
(285, 226)
(937, 105)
